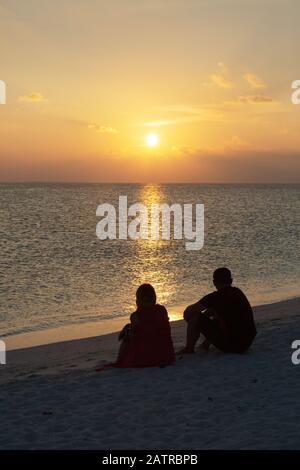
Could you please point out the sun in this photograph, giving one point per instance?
(152, 140)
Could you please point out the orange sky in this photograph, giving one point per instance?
(87, 80)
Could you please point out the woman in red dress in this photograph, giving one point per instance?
(146, 340)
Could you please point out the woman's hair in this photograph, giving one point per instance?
(145, 295)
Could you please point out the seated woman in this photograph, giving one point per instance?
(146, 341)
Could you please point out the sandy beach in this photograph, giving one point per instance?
(52, 397)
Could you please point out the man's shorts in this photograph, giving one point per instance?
(214, 334)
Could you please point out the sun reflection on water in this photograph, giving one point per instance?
(154, 256)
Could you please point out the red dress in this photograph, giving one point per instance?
(150, 342)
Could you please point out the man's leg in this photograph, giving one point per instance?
(192, 333)
(199, 323)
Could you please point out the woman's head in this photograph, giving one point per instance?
(145, 295)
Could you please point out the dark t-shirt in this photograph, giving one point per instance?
(235, 315)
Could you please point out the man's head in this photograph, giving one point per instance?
(222, 278)
(145, 295)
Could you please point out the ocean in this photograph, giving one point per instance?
(54, 270)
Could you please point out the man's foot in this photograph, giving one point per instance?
(185, 351)
(204, 346)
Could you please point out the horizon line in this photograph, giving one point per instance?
(153, 182)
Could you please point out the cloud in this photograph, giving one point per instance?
(103, 129)
(223, 67)
(221, 81)
(160, 123)
(236, 144)
(254, 81)
(33, 97)
(91, 125)
(254, 99)
(172, 122)
(184, 115)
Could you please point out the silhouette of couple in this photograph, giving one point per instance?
(224, 317)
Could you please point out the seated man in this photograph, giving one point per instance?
(224, 317)
(146, 341)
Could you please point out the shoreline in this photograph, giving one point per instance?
(87, 330)
(55, 399)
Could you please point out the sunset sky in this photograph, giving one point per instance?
(210, 80)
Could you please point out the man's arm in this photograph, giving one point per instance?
(210, 313)
(193, 309)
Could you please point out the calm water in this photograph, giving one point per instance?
(54, 271)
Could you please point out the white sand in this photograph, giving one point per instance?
(52, 398)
